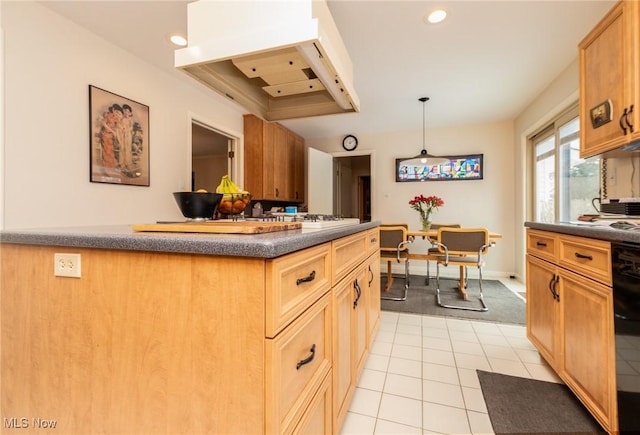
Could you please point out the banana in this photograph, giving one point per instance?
(227, 186)
(234, 199)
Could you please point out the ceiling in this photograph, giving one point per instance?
(485, 63)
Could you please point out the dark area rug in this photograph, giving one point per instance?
(526, 406)
(504, 306)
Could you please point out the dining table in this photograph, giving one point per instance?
(432, 234)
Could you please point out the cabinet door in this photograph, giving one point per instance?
(297, 145)
(543, 309)
(605, 59)
(254, 132)
(275, 159)
(373, 293)
(633, 38)
(360, 336)
(589, 351)
(342, 389)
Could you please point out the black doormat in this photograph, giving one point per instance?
(504, 305)
(527, 406)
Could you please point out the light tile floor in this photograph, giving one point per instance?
(420, 376)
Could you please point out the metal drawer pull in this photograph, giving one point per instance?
(550, 286)
(370, 273)
(626, 119)
(541, 244)
(373, 240)
(358, 293)
(556, 295)
(585, 257)
(309, 278)
(622, 117)
(308, 359)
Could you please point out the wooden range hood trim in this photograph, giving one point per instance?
(319, 81)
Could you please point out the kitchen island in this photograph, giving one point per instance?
(185, 333)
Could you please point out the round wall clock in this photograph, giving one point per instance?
(350, 142)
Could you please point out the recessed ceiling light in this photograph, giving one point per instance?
(436, 16)
(178, 40)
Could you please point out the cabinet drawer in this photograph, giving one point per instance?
(347, 253)
(294, 282)
(589, 257)
(541, 244)
(373, 240)
(317, 418)
(298, 360)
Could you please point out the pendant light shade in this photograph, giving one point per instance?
(424, 158)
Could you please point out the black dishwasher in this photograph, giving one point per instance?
(626, 305)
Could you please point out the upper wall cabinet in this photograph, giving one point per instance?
(610, 81)
(273, 161)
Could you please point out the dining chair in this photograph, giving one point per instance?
(394, 241)
(432, 252)
(462, 247)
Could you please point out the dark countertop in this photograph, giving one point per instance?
(592, 230)
(122, 237)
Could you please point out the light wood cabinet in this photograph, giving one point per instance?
(271, 161)
(356, 314)
(543, 311)
(570, 316)
(159, 343)
(609, 71)
(297, 144)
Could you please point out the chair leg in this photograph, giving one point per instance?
(406, 286)
(389, 278)
(458, 307)
(428, 273)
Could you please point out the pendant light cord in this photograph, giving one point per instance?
(423, 100)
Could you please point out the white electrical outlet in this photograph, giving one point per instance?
(67, 265)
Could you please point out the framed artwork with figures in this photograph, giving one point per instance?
(119, 139)
(462, 167)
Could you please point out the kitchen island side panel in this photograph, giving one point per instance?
(143, 342)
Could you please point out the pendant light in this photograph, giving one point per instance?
(424, 158)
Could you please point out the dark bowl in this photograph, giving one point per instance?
(197, 205)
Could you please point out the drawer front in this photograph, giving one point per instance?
(373, 240)
(589, 257)
(317, 418)
(542, 244)
(294, 283)
(347, 253)
(294, 372)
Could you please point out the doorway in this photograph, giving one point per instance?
(212, 156)
(352, 187)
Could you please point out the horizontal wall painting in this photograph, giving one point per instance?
(462, 167)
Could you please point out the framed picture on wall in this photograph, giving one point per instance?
(463, 167)
(119, 139)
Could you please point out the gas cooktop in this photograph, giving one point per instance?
(309, 220)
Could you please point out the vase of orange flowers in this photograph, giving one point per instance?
(426, 205)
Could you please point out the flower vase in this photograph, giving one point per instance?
(425, 221)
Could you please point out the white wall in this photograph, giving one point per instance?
(483, 203)
(557, 97)
(49, 63)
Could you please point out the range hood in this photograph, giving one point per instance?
(277, 59)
